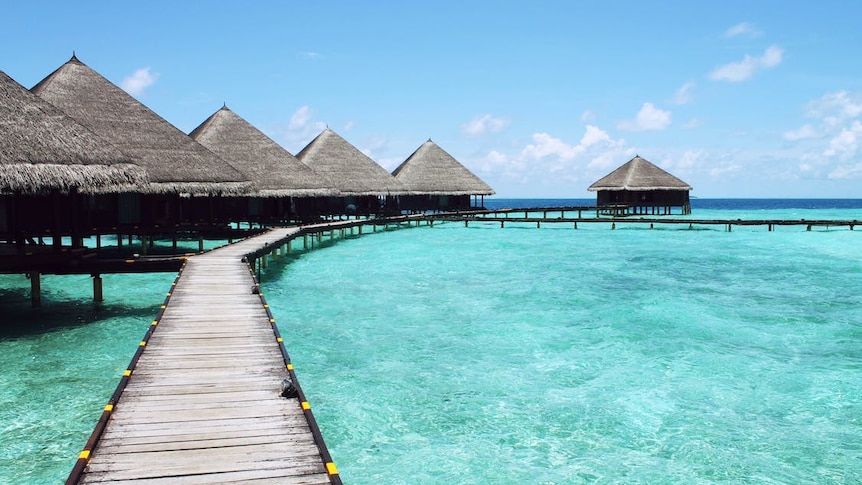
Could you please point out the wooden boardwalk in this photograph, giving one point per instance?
(202, 400)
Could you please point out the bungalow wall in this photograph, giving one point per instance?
(654, 202)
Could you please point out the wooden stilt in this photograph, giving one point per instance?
(143, 244)
(35, 289)
(98, 296)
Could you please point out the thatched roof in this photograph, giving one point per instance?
(273, 171)
(174, 162)
(349, 170)
(638, 175)
(430, 170)
(42, 149)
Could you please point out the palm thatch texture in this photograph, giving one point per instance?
(273, 171)
(430, 170)
(174, 162)
(638, 174)
(42, 149)
(349, 170)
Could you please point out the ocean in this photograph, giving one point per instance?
(480, 355)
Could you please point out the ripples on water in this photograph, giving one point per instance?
(517, 355)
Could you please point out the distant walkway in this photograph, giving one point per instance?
(566, 215)
(202, 402)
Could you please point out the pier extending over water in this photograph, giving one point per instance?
(211, 395)
(593, 215)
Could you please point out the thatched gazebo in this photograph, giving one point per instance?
(47, 160)
(175, 163)
(640, 187)
(282, 186)
(361, 181)
(437, 181)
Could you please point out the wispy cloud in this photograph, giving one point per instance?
(804, 132)
(301, 129)
(649, 118)
(483, 124)
(745, 69)
(136, 83)
(845, 144)
(835, 108)
(683, 95)
(742, 28)
(300, 118)
(309, 55)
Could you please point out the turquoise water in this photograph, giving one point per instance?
(519, 355)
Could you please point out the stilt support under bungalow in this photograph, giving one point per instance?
(98, 296)
(35, 289)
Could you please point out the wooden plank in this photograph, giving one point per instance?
(203, 403)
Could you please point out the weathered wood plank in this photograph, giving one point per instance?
(203, 403)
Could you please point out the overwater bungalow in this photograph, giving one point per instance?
(49, 164)
(185, 178)
(438, 182)
(640, 187)
(283, 188)
(366, 188)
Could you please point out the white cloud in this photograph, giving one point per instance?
(683, 94)
(649, 118)
(588, 115)
(719, 172)
(742, 28)
(745, 69)
(349, 125)
(836, 108)
(484, 124)
(594, 135)
(846, 172)
(806, 131)
(545, 145)
(309, 55)
(300, 118)
(140, 80)
(692, 123)
(844, 145)
(301, 129)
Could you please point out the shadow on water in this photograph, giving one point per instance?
(18, 319)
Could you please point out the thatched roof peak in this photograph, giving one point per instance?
(639, 174)
(431, 170)
(173, 160)
(273, 171)
(43, 149)
(349, 170)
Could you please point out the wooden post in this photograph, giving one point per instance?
(97, 289)
(144, 244)
(263, 261)
(200, 244)
(98, 241)
(174, 242)
(35, 289)
(119, 241)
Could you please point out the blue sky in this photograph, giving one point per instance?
(540, 99)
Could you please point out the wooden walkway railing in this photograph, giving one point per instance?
(202, 399)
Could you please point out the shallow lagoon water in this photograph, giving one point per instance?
(520, 355)
(517, 355)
